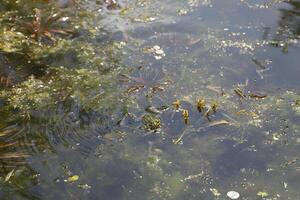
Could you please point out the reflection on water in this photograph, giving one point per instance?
(289, 24)
(109, 110)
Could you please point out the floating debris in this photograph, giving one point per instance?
(216, 89)
(240, 93)
(233, 195)
(182, 12)
(257, 96)
(215, 192)
(112, 4)
(288, 163)
(84, 186)
(72, 179)
(195, 176)
(179, 139)
(9, 175)
(276, 136)
(157, 51)
(153, 110)
(144, 19)
(220, 122)
(208, 113)
(262, 194)
(285, 185)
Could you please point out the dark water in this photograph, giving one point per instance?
(101, 102)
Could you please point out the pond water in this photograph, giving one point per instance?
(140, 99)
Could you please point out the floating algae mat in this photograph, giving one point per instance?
(140, 99)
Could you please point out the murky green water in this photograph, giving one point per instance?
(143, 99)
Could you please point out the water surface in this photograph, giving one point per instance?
(104, 104)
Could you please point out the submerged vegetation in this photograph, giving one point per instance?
(148, 100)
(12, 151)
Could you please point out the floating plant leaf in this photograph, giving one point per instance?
(72, 178)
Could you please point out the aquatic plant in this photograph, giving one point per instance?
(200, 104)
(151, 122)
(12, 152)
(147, 79)
(185, 116)
(44, 27)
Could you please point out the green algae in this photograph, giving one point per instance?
(12, 41)
(63, 85)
